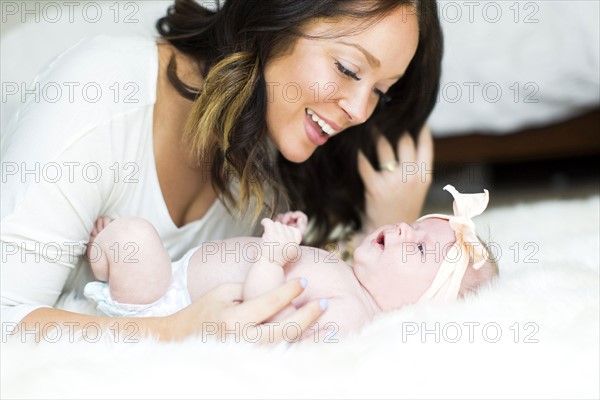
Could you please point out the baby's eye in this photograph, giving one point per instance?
(420, 247)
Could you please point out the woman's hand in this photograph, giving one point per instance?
(220, 315)
(398, 191)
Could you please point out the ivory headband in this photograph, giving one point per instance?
(446, 284)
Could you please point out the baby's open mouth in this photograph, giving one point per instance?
(381, 240)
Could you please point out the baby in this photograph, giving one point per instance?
(439, 258)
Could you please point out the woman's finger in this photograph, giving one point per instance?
(406, 149)
(385, 151)
(425, 150)
(262, 308)
(365, 169)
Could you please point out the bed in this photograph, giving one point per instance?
(533, 333)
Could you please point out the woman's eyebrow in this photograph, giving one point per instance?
(372, 60)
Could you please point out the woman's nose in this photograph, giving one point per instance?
(357, 106)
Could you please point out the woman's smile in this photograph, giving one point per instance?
(314, 131)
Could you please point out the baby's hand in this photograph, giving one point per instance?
(297, 219)
(283, 241)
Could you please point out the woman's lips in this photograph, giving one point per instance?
(327, 126)
(314, 132)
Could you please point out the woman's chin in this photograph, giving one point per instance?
(295, 155)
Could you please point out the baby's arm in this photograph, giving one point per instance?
(280, 244)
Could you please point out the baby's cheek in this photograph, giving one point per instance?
(359, 255)
(401, 283)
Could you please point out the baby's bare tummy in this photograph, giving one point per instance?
(228, 261)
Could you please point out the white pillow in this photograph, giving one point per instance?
(554, 61)
(537, 63)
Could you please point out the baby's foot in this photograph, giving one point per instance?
(296, 219)
(101, 223)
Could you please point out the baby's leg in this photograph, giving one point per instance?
(129, 254)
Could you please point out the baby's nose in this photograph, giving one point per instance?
(405, 230)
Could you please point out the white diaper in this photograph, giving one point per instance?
(176, 297)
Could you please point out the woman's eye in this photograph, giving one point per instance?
(383, 97)
(346, 71)
(420, 247)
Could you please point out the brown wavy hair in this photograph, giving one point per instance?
(227, 125)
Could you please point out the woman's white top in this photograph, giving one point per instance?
(82, 147)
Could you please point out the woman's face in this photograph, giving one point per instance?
(337, 82)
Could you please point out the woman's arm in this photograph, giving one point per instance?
(216, 315)
(58, 179)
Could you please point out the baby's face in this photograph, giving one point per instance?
(397, 263)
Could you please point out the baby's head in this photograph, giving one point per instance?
(436, 258)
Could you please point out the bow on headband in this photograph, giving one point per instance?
(446, 284)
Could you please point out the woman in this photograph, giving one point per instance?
(260, 106)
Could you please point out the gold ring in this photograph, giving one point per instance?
(389, 166)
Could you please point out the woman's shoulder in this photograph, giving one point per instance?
(101, 53)
(103, 74)
(92, 83)
(116, 71)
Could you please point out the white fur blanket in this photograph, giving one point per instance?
(533, 334)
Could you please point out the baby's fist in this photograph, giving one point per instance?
(297, 219)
